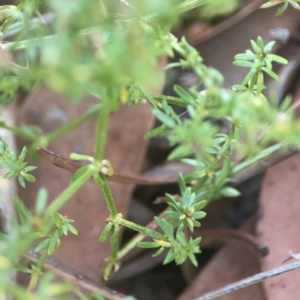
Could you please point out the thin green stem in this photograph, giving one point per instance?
(17, 292)
(19, 45)
(139, 228)
(69, 191)
(143, 231)
(252, 83)
(18, 131)
(263, 154)
(113, 257)
(104, 9)
(182, 7)
(294, 4)
(130, 245)
(37, 272)
(101, 132)
(114, 242)
(169, 99)
(147, 96)
(102, 182)
(72, 124)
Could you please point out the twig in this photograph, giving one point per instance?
(249, 281)
(71, 166)
(74, 277)
(263, 164)
(260, 166)
(246, 11)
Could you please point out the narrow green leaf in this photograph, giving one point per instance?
(193, 162)
(22, 212)
(256, 47)
(29, 168)
(23, 154)
(239, 87)
(171, 199)
(223, 149)
(286, 103)
(64, 229)
(76, 156)
(193, 259)
(173, 215)
(175, 206)
(294, 3)
(190, 200)
(249, 76)
(282, 9)
(22, 268)
(245, 56)
(229, 192)
(260, 43)
(149, 245)
(264, 153)
(72, 229)
(167, 108)
(194, 176)
(164, 118)
(29, 177)
(79, 173)
(154, 234)
(190, 224)
(105, 232)
(271, 73)
(41, 201)
(183, 94)
(186, 197)
(165, 227)
(169, 257)
(10, 174)
(197, 224)
(54, 240)
(161, 249)
(271, 3)
(242, 63)
(42, 245)
(156, 132)
(181, 183)
(199, 215)
(180, 151)
(260, 83)
(277, 58)
(21, 181)
(269, 47)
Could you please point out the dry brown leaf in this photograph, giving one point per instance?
(125, 148)
(279, 225)
(235, 261)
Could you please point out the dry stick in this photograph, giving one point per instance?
(74, 277)
(245, 174)
(71, 166)
(249, 172)
(246, 11)
(249, 281)
(263, 164)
